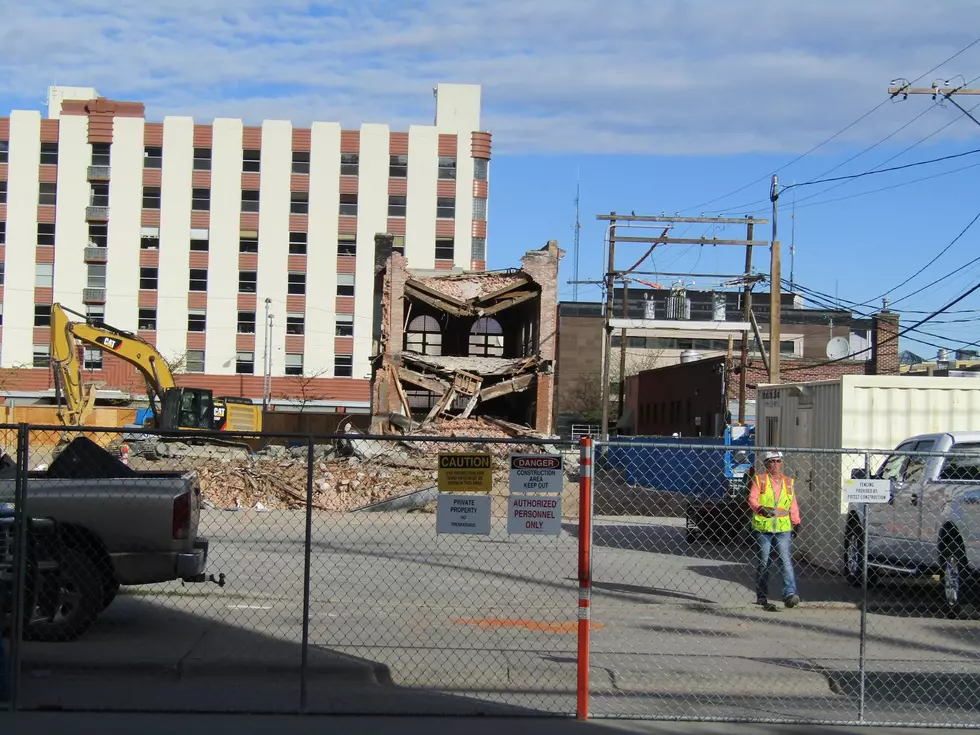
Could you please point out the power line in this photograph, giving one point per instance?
(829, 139)
(876, 171)
(825, 300)
(879, 189)
(900, 333)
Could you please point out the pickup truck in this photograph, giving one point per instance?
(115, 526)
(931, 524)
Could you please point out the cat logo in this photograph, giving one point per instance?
(109, 342)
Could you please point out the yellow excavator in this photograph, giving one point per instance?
(173, 407)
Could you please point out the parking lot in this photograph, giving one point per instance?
(408, 621)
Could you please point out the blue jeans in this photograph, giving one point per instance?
(784, 545)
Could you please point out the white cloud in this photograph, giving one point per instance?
(588, 76)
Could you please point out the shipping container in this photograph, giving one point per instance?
(855, 412)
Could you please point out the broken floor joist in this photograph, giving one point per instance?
(429, 383)
(515, 385)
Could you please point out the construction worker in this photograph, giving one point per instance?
(775, 516)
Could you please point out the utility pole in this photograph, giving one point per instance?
(747, 314)
(622, 351)
(267, 357)
(611, 275)
(607, 327)
(775, 292)
(576, 236)
(939, 89)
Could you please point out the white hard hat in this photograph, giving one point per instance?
(771, 455)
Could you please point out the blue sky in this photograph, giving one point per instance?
(661, 105)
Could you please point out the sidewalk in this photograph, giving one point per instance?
(50, 723)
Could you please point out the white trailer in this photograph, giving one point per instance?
(856, 412)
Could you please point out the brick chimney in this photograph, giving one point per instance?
(884, 343)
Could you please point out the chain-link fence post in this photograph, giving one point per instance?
(584, 575)
(308, 548)
(20, 566)
(864, 598)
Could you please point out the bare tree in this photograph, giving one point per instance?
(305, 388)
(584, 396)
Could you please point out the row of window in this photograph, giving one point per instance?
(198, 277)
(786, 347)
(252, 161)
(194, 361)
(98, 236)
(299, 201)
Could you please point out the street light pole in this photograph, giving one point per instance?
(267, 357)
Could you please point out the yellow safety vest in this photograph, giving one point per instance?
(781, 504)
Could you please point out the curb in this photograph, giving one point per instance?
(363, 672)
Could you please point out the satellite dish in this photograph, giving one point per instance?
(838, 348)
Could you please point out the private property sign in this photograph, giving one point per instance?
(463, 514)
(463, 472)
(538, 515)
(537, 473)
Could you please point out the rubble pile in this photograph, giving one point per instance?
(279, 483)
(356, 471)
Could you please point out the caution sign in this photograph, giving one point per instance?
(463, 514)
(534, 514)
(537, 473)
(465, 472)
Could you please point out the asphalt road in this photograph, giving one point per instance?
(403, 620)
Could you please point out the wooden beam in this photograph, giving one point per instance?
(436, 303)
(696, 220)
(400, 391)
(503, 305)
(515, 385)
(691, 241)
(506, 289)
(435, 385)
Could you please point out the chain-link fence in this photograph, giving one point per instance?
(265, 573)
(693, 625)
(262, 573)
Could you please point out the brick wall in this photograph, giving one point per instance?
(542, 266)
(884, 344)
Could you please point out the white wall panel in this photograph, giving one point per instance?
(71, 229)
(277, 146)
(226, 199)
(372, 218)
(175, 233)
(22, 190)
(321, 257)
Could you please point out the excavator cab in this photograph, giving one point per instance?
(187, 408)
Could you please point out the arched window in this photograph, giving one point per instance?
(424, 336)
(486, 338)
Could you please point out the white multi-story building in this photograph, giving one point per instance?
(198, 236)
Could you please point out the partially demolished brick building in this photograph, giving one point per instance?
(460, 344)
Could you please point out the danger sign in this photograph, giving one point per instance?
(465, 472)
(534, 514)
(537, 473)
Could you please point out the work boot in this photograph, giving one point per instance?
(792, 601)
(761, 601)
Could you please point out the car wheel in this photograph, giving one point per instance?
(109, 592)
(854, 558)
(955, 574)
(75, 602)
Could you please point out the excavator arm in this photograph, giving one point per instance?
(79, 398)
